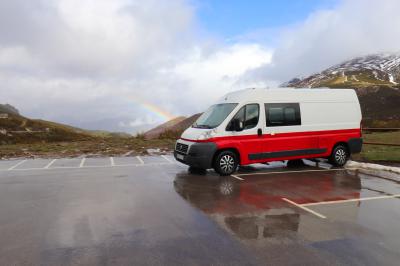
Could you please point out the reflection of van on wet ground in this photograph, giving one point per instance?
(253, 209)
(262, 125)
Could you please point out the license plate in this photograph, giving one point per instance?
(180, 156)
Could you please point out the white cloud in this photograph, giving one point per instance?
(206, 77)
(92, 62)
(327, 37)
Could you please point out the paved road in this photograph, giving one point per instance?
(151, 211)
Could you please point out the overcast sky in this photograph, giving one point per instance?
(127, 65)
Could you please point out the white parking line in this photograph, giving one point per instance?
(112, 161)
(305, 208)
(140, 159)
(90, 166)
(235, 176)
(82, 162)
(351, 200)
(288, 172)
(49, 164)
(168, 159)
(16, 165)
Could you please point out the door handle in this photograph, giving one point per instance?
(259, 132)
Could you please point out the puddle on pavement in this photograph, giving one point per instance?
(253, 210)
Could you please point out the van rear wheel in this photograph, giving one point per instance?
(225, 163)
(339, 155)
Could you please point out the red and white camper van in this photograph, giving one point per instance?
(262, 125)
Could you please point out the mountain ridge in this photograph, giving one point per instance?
(360, 72)
(171, 128)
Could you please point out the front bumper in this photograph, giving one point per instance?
(199, 155)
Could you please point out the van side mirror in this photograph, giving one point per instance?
(237, 125)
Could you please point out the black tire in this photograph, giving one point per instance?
(339, 155)
(225, 163)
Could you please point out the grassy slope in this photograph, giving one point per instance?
(356, 80)
(49, 131)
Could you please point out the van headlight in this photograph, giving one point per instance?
(207, 134)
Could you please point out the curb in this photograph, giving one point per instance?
(375, 167)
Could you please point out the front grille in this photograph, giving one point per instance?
(182, 148)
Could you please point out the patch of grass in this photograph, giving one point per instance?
(380, 153)
(383, 137)
(99, 147)
(377, 152)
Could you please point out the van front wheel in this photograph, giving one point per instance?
(225, 163)
(339, 155)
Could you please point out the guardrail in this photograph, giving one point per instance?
(383, 144)
(380, 129)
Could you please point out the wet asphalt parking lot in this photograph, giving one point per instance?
(151, 211)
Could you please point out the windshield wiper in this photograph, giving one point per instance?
(201, 126)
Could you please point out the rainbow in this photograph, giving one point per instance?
(164, 115)
(154, 109)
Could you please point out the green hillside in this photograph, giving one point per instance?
(353, 80)
(19, 129)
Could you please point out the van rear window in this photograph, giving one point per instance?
(282, 114)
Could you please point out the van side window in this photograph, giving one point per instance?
(282, 114)
(248, 114)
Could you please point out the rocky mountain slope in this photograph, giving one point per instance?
(172, 128)
(157, 131)
(8, 109)
(376, 79)
(360, 72)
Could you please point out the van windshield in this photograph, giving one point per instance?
(214, 116)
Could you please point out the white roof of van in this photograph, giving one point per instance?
(291, 95)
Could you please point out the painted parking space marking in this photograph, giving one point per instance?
(7, 164)
(304, 208)
(66, 162)
(140, 159)
(77, 163)
(90, 167)
(290, 172)
(50, 163)
(167, 159)
(16, 165)
(239, 178)
(33, 164)
(82, 162)
(351, 200)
